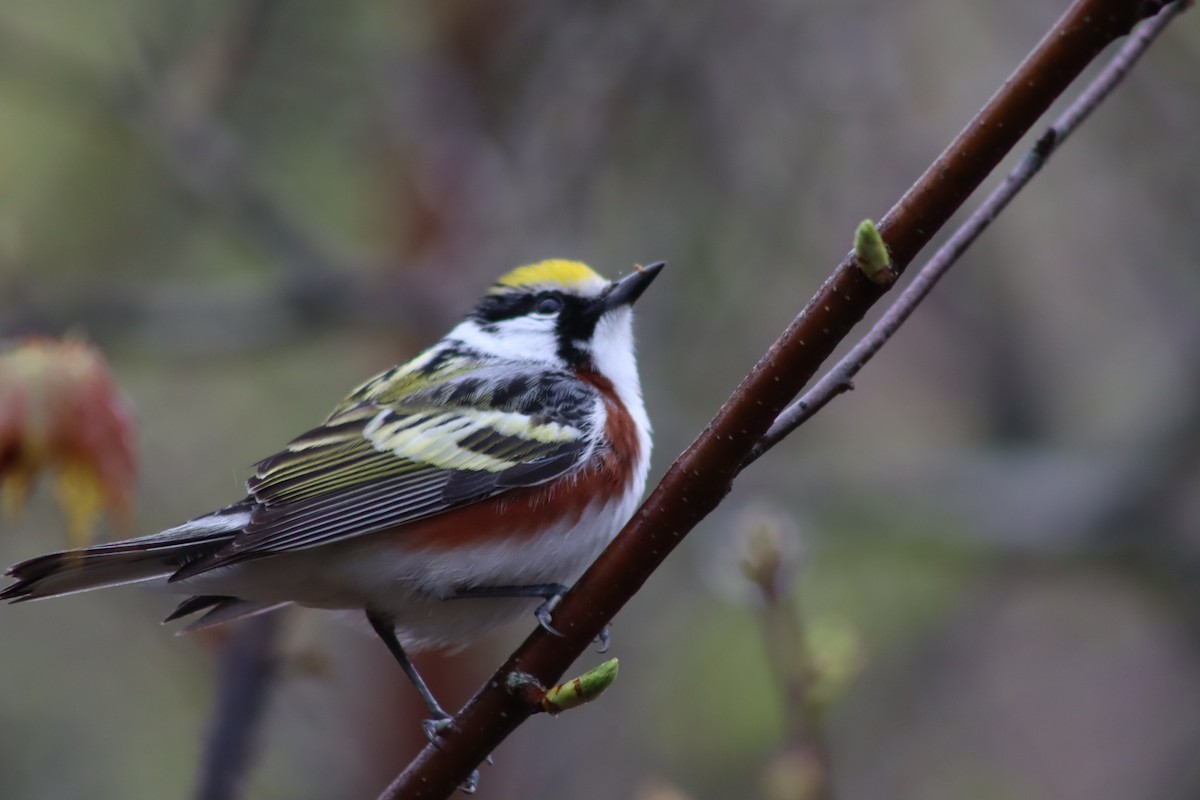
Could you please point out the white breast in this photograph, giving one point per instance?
(408, 585)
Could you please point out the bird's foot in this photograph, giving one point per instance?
(604, 639)
(435, 727)
(546, 610)
(471, 784)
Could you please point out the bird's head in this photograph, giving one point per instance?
(560, 313)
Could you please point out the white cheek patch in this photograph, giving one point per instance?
(530, 339)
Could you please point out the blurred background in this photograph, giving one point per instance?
(991, 543)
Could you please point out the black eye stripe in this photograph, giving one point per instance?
(499, 307)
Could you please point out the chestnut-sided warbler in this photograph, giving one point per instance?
(440, 496)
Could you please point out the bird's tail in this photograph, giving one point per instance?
(129, 561)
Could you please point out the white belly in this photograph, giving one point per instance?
(412, 586)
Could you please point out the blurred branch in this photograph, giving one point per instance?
(772, 567)
(700, 478)
(174, 115)
(249, 665)
(840, 378)
(215, 64)
(805, 766)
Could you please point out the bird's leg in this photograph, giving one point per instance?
(387, 632)
(441, 721)
(552, 593)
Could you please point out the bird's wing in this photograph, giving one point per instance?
(373, 466)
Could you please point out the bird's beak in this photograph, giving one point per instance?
(630, 288)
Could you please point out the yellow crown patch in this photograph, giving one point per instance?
(555, 272)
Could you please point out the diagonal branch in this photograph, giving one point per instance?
(704, 474)
(782, 620)
(840, 377)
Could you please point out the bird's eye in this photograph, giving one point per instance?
(548, 305)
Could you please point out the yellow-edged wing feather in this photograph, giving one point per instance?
(375, 464)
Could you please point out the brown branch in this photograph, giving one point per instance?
(704, 474)
(840, 378)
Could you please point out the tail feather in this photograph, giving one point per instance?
(78, 571)
(221, 610)
(130, 561)
(195, 604)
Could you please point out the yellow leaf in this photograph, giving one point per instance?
(80, 494)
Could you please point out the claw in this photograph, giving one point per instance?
(471, 784)
(544, 612)
(604, 639)
(434, 728)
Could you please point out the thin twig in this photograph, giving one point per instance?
(840, 378)
(701, 477)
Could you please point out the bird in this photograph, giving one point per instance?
(440, 499)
